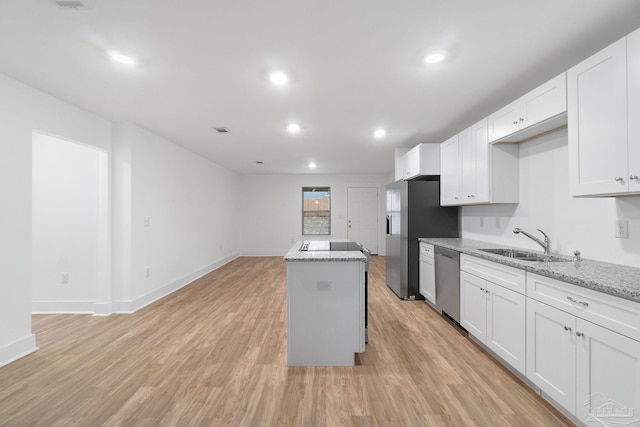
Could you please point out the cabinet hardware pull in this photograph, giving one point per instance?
(470, 196)
(633, 177)
(515, 122)
(521, 119)
(566, 328)
(584, 303)
(619, 179)
(580, 334)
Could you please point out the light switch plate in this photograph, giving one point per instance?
(622, 229)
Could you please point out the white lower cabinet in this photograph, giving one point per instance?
(551, 352)
(495, 316)
(608, 375)
(592, 371)
(427, 273)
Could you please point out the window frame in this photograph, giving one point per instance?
(324, 189)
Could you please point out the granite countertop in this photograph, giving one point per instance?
(618, 280)
(295, 254)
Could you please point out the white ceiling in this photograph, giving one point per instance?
(354, 65)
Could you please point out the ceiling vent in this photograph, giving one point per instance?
(222, 129)
(71, 5)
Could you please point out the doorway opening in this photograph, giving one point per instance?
(70, 227)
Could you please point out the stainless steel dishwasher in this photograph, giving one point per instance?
(448, 281)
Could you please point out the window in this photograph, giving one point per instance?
(316, 210)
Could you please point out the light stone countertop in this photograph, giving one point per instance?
(295, 254)
(618, 280)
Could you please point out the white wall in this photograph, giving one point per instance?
(585, 224)
(65, 225)
(23, 110)
(190, 206)
(271, 209)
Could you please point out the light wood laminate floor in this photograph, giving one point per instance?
(214, 353)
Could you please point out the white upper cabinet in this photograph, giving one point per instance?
(597, 89)
(423, 159)
(399, 173)
(474, 172)
(450, 172)
(633, 114)
(474, 151)
(538, 111)
(604, 130)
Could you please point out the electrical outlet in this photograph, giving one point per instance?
(64, 278)
(622, 229)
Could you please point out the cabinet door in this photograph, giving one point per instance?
(467, 166)
(473, 307)
(597, 116)
(505, 121)
(482, 166)
(411, 163)
(544, 102)
(450, 172)
(428, 279)
(633, 67)
(506, 325)
(551, 352)
(608, 372)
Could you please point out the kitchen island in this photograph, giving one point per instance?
(325, 306)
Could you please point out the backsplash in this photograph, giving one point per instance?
(585, 224)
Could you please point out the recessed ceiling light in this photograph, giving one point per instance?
(293, 128)
(379, 133)
(121, 58)
(435, 57)
(278, 78)
(312, 165)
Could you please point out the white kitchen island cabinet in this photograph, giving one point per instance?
(325, 308)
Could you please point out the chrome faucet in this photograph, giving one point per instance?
(546, 245)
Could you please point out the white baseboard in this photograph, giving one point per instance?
(17, 349)
(131, 306)
(102, 309)
(62, 307)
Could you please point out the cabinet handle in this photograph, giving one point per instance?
(566, 328)
(633, 177)
(619, 179)
(515, 122)
(470, 196)
(580, 334)
(521, 119)
(584, 303)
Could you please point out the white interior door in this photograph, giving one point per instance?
(362, 216)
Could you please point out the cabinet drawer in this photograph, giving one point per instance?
(616, 314)
(426, 250)
(503, 275)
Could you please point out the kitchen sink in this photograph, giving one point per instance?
(526, 256)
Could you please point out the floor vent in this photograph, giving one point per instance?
(71, 5)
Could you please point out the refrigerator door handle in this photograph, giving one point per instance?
(388, 226)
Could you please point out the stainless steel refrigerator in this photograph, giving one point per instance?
(413, 211)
